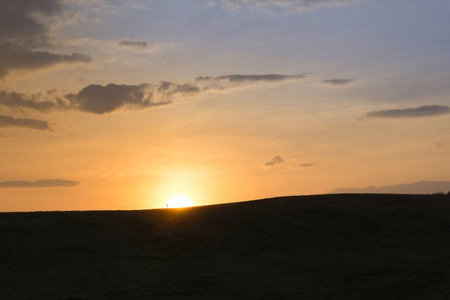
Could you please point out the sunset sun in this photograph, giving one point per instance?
(179, 201)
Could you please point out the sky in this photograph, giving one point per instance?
(108, 104)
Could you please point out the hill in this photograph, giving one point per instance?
(421, 187)
(306, 247)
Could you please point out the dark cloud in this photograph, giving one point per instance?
(421, 187)
(307, 165)
(422, 111)
(7, 121)
(19, 101)
(22, 22)
(23, 28)
(100, 99)
(47, 183)
(337, 82)
(20, 58)
(276, 160)
(134, 44)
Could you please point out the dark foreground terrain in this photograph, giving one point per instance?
(312, 247)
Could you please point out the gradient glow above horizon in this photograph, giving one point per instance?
(123, 104)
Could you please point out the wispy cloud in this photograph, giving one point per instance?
(306, 165)
(47, 183)
(270, 5)
(337, 82)
(104, 46)
(241, 79)
(275, 161)
(238, 80)
(7, 121)
(419, 112)
(134, 44)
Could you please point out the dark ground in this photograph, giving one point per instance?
(311, 247)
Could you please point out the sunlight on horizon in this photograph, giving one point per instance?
(179, 201)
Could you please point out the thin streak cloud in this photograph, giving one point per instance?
(271, 5)
(337, 82)
(20, 101)
(238, 78)
(7, 121)
(306, 165)
(134, 44)
(46, 183)
(418, 112)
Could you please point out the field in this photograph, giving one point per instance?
(307, 247)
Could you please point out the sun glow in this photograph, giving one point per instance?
(179, 201)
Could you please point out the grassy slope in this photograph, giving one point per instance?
(312, 247)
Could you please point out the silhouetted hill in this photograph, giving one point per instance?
(421, 187)
(310, 247)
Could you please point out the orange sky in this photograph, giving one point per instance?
(121, 104)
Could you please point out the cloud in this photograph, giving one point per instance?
(99, 99)
(276, 160)
(24, 21)
(337, 82)
(112, 46)
(14, 57)
(7, 121)
(289, 5)
(134, 44)
(227, 82)
(421, 187)
(167, 92)
(307, 165)
(419, 112)
(24, 32)
(47, 183)
(19, 101)
(242, 79)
